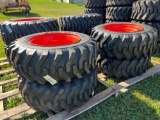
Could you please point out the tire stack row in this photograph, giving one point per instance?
(80, 23)
(118, 10)
(148, 12)
(57, 69)
(94, 6)
(124, 48)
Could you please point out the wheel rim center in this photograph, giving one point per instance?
(124, 28)
(54, 39)
(28, 19)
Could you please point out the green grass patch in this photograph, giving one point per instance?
(157, 59)
(111, 81)
(9, 87)
(5, 67)
(2, 54)
(35, 116)
(13, 102)
(8, 76)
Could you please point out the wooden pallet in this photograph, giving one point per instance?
(104, 95)
(17, 112)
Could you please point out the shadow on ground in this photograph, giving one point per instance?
(21, 14)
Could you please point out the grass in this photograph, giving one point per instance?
(35, 116)
(155, 58)
(8, 76)
(9, 87)
(13, 102)
(2, 53)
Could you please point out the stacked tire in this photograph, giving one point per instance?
(94, 6)
(14, 29)
(148, 12)
(124, 48)
(118, 10)
(80, 23)
(57, 69)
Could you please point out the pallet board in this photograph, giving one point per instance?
(3, 59)
(7, 71)
(9, 94)
(4, 63)
(66, 115)
(14, 111)
(1, 101)
(8, 81)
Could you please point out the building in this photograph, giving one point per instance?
(77, 2)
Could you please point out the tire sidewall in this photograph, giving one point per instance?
(146, 28)
(24, 41)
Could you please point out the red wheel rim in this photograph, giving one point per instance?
(28, 19)
(123, 28)
(54, 39)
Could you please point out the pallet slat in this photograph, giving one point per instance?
(4, 63)
(95, 100)
(3, 59)
(8, 81)
(19, 115)
(9, 94)
(7, 71)
(1, 101)
(14, 111)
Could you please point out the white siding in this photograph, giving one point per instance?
(79, 2)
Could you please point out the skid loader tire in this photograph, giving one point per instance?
(57, 97)
(80, 23)
(95, 3)
(14, 29)
(101, 11)
(115, 44)
(152, 24)
(122, 68)
(119, 2)
(146, 10)
(119, 13)
(59, 63)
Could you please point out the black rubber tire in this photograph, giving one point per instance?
(119, 13)
(114, 21)
(119, 2)
(146, 10)
(60, 96)
(152, 24)
(80, 23)
(95, 3)
(122, 68)
(156, 51)
(11, 30)
(125, 45)
(101, 11)
(61, 63)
